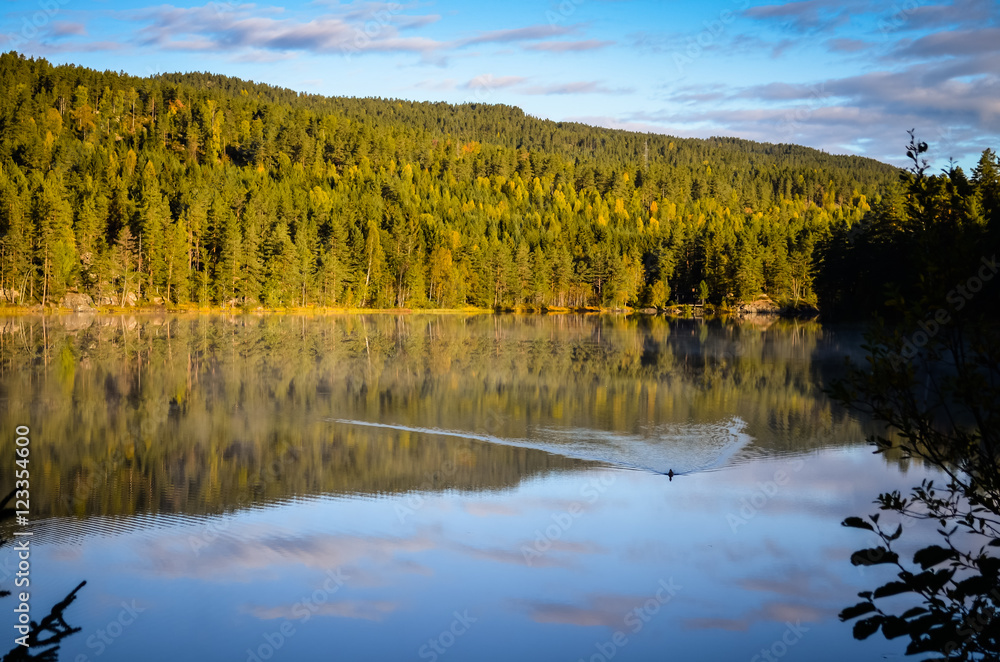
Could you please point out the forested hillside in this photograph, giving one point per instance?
(205, 189)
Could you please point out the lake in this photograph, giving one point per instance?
(440, 487)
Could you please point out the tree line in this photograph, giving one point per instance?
(204, 189)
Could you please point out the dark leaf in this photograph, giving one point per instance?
(989, 566)
(873, 556)
(859, 609)
(893, 627)
(857, 523)
(931, 556)
(975, 585)
(892, 588)
(939, 578)
(867, 627)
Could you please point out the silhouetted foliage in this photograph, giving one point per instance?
(43, 637)
(934, 380)
(917, 247)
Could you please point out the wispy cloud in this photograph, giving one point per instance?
(958, 42)
(68, 28)
(805, 16)
(569, 46)
(775, 612)
(263, 56)
(214, 27)
(61, 46)
(530, 33)
(368, 610)
(356, 28)
(607, 611)
(863, 114)
(577, 87)
(946, 83)
(920, 16)
(489, 81)
(929, 64)
(845, 45)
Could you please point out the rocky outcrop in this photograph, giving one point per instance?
(764, 309)
(77, 321)
(77, 302)
(762, 306)
(130, 300)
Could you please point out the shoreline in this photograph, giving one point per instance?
(688, 311)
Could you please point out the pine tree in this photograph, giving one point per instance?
(254, 223)
(18, 236)
(154, 218)
(123, 260)
(55, 247)
(176, 250)
(986, 180)
(441, 270)
(228, 254)
(374, 260)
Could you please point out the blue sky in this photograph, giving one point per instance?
(846, 76)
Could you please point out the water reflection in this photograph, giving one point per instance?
(376, 578)
(688, 447)
(442, 487)
(205, 414)
(34, 640)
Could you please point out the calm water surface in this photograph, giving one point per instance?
(446, 488)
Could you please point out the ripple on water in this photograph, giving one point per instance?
(682, 448)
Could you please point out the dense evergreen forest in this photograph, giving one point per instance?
(203, 189)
